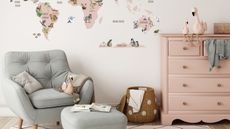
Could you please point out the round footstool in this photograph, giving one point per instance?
(93, 120)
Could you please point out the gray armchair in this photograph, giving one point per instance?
(50, 68)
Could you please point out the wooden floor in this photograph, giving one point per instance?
(7, 122)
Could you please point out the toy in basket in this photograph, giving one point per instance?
(139, 104)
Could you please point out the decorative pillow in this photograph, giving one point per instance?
(29, 83)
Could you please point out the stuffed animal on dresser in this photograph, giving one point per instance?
(200, 26)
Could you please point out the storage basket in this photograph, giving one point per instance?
(148, 108)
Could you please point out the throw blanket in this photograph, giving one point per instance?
(77, 82)
(136, 98)
(217, 49)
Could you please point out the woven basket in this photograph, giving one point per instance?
(148, 108)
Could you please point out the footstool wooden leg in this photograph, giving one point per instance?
(35, 126)
(20, 122)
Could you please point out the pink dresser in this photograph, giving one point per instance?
(190, 92)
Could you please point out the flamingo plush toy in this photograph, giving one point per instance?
(185, 31)
(199, 27)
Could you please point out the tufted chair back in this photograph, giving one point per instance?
(50, 68)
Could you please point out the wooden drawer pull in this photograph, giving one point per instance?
(218, 67)
(219, 85)
(184, 103)
(185, 48)
(184, 85)
(219, 103)
(184, 67)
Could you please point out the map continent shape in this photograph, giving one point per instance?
(90, 10)
(48, 17)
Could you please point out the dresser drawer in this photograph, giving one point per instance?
(199, 85)
(197, 67)
(180, 48)
(199, 103)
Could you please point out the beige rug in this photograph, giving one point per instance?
(169, 127)
(131, 127)
(40, 127)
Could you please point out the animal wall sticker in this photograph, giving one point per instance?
(146, 24)
(37, 35)
(131, 44)
(71, 19)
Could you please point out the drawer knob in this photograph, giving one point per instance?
(184, 103)
(218, 67)
(219, 85)
(184, 67)
(219, 103)
(184, 85)
(185, 48)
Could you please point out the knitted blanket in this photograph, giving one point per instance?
(77, 82)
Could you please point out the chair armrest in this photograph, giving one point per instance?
(87, 93)
(18, 100)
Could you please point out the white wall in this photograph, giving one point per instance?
(113, 69)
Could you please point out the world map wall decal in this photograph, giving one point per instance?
(142, 20)
(145, 23)
(90, 9)
(48, 17)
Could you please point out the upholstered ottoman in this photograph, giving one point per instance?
(93, 120)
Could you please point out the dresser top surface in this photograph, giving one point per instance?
(177, 35)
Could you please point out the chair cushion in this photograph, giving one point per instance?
(47, 98)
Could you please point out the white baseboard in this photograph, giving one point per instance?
(5, 111)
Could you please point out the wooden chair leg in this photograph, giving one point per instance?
(35, 126)
(20, 122)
